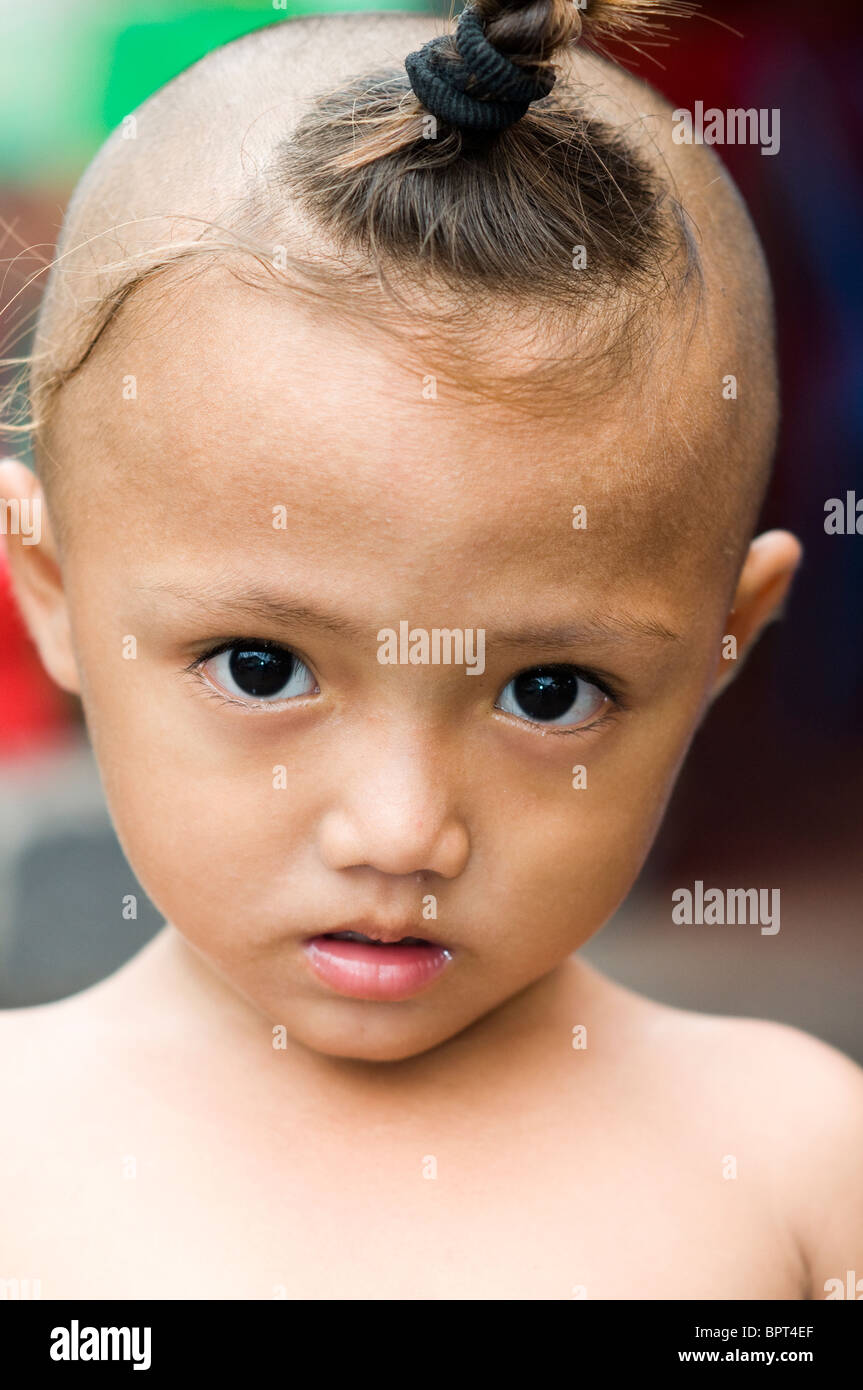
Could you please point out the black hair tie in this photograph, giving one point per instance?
(441, 84)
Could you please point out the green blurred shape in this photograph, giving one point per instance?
(70, 70)
(147, 56)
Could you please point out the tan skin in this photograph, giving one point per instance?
(300, 1171)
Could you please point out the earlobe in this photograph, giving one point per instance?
(36, 576)
(762, 589)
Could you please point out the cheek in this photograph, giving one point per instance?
(573, 862)
(565, 847)
(210, 836)
(576, 852)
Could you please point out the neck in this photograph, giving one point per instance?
(188, 1002)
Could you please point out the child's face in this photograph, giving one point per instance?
(401, 781)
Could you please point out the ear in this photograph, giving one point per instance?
(34, 565)
(770, 565)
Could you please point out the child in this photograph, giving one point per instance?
(398, 517)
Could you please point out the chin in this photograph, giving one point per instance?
(385, 1041)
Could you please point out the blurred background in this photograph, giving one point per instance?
(771, 795)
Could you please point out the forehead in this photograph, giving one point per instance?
(212, 413)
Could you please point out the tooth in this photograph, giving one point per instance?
(376, 941)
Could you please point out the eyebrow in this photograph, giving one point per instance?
(260, 604)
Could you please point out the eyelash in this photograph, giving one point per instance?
(601, 681)
(618, 705)
(247, 706)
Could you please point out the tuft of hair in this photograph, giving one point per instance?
(499, 214)
(563, 229)
(627, 20)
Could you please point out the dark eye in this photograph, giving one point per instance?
(259, 671)
(552, 695)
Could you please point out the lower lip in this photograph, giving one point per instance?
(362, 971)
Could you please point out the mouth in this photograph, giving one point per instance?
(386, 967)
(377, 940)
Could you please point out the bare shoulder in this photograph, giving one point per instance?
(53, 1059)
(37, 1047)
(779, 1073)
(745, 1054)
(784, 1079)
(72, 1044)
(808, 1096)
(28, 1035)
(788, 1109)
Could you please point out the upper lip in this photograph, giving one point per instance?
(381, 931)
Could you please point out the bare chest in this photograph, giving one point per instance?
(176, 1205)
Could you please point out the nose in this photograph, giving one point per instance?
(396, 812)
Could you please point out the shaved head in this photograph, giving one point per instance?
(200, 165)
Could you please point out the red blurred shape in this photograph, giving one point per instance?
(34, 713)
